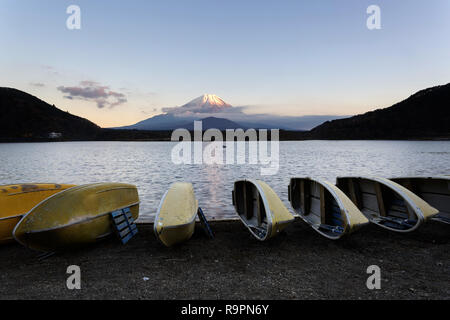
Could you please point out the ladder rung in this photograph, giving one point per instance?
(119, 219)
(124, 224)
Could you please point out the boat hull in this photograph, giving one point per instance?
(75, 217)
(325, 207)
(387, 203)
(16, 200)
(260, 209)
(175, 218)
(434, 190)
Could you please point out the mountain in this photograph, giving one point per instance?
(160, 122)
(424, 115)
(27, 117)
(213, 123)
(295, 123)
(207, 103)
(212, 106)
(181, 117)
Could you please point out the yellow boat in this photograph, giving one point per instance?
(260, 209)
(386, 203)
(175, 218)
(325, 207)
(76, 216)
(17, 199)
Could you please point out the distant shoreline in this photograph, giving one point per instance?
(149, 140)
(165, 136)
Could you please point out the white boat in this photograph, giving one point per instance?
(324, 207)
(387, 203)
(260, 209)
(434, 190)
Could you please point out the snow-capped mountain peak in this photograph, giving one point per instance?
(208, 102)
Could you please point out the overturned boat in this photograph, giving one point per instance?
(434, 190)
(326, 208)
(175, 218)
(17, 199)
(386, 203)
(260, 209)
(77, 216)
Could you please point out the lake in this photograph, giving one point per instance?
(148, 165)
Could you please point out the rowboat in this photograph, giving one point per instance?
(387, 203)
(434, 190)
(324, 207)
(76, 216)
(17, 199)
(175, 218)
(260, 209)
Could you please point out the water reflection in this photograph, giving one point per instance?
(148, 165)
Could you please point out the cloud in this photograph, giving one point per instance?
(50, 69)
(238, 114)
(93, 91)
(37, 84)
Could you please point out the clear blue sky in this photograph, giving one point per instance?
(281, 57)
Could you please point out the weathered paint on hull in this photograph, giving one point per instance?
(16, 200)
(281, 217)
(332, 209)
(434, 190)
(6, 227)
(175, 219)
(386, 203)
(265, 216)
(75, 217)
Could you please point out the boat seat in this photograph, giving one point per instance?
(124, 224)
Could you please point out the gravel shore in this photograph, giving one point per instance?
(297, 264)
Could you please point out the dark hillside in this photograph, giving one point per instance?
(25, 117)
(424, 115)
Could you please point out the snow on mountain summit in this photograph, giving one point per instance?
(207, 103)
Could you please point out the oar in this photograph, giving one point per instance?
(205, 223)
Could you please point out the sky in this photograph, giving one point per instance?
(131, 59)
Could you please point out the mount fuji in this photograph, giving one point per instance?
(216, 113)
(207, 103)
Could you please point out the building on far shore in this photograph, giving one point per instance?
(55, 135)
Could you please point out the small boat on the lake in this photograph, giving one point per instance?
(434, 190)
(17, 199)
(76, 216)
(324, 207)
(260, 209)
(387, 203)
(175, 218)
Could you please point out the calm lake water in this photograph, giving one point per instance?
(148, 165)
